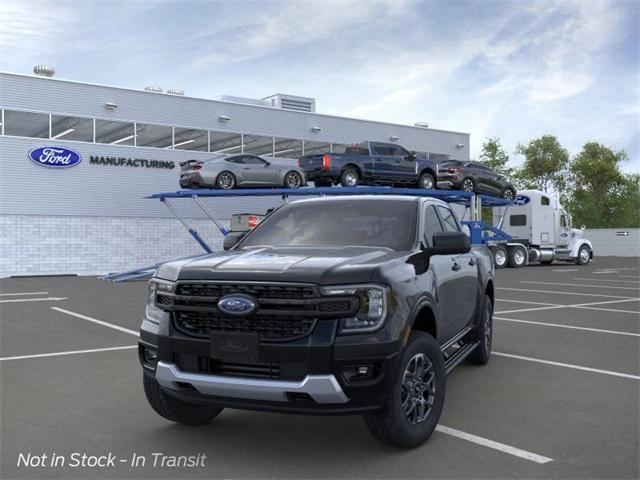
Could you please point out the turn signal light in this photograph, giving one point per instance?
(326, 161)
(196, 167)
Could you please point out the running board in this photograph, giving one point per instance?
(455, 338)
(459, 355)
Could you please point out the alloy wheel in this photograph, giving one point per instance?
(293, 180)
(418, 388)
(508, 194)
(427, 182)
(584, 255)
(226, 181)
(467, 185)
(351, 179)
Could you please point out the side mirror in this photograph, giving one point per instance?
(583, 228)
(412, 156)
(231, 239)
(450, 243)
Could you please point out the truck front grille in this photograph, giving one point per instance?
(198, 364)
(284, 311)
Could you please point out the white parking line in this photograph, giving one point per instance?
(604, 280)
(47, 299)
(567, 270)
(588, 306)
(23, 293)
(567, 365)
(71, 352)
(485, 442)
(633, 312)
(96, 321)
(628, 276)
(581, 285)
(529, 302)
(560, 293)
(572, 327)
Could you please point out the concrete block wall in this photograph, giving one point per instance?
(612, 241)
(53, 245)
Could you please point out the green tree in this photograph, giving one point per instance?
(494, 156)
(544, 165)
(600, 195)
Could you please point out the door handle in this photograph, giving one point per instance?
(456, 266)
(472, 262)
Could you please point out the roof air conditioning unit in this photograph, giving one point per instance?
(44, 71)
(292, 102)
(153, 88)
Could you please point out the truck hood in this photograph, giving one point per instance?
(320, 265)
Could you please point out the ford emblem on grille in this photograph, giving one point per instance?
(238, 305)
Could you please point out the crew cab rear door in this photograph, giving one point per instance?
(392, 163)
(455, 276)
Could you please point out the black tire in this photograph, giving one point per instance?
(484, 334)
(292, 180)
(176, 410)
(508, 194)
(391, 424)
(427, 181)
(584, 255)
(546, 262)
(468, 185)
(517, 257)
(349, 177)
(225, 180)
(500, 256)
(322, 183)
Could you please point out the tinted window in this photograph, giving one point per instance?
(398, 151)
(157, 136)
(253, 160)
(431, 224)
(238, 159)
(382, 150)
(114, 132)
(518, 220)
(26, 124)
(357, 151)
(450, 163)
(71, 128)
(544, 200)
(449, 222)
(338, 223)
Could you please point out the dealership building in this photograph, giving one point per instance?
(92, 217)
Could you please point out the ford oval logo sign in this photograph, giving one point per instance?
(521, 200)
(237, 305)
(55, 157)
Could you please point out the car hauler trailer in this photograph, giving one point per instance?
(540, 227)
(480, 232)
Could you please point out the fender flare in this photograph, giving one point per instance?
(580, 243)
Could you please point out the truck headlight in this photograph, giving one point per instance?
(373, 307)
(156, 286)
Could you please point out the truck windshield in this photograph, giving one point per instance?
(376, 223)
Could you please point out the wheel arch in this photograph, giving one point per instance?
(490, 291)
(424, 320)
(354, 166)
(430, 171)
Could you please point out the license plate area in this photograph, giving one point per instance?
(235, 346)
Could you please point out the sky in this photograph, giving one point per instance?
(509, 69)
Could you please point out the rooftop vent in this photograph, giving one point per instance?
(153, 88)
(44, 71)
(175, 91)
(421, 124)
(244, 100)
(291, 102)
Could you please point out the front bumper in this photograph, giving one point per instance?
(310, 375)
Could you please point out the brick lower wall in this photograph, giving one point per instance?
(52, 245)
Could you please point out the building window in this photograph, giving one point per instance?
(114, 133)
(157, 136)
(315, 148)
(258, 145)
(26, 124)
(438, 157)
(190, 139)
(225, 142)
(287, 148)
(71, 128)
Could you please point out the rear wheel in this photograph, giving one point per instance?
(293, 179)
(509, 194)
(426, 181)
(584, 255)
(500, 256)
(176, 410)
(484, 334)
(226, 180)
(415, 401)
(468, 185)
(349, 177)
(517, 257)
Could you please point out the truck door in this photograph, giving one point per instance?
(455, 276)
(257, 171)
(404, 168)
(384, 161)
(565, 230)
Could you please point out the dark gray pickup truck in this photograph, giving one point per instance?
(339, 305)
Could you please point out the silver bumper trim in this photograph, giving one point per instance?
(321, 388)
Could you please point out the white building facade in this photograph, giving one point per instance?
(92, 218)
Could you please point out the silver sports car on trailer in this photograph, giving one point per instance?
(241, 170)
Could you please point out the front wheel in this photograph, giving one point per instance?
(176, 410)
(509, 194)
(415, 401)
(426, 181)
(293, 179)
(584, 255)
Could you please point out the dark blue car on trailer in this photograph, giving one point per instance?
(371, 163)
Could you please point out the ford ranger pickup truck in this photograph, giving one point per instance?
(371, 163)
(342, 305)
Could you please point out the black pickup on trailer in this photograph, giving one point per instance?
(329, 306)
(371, 163)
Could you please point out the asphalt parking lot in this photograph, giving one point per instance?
(559, 398)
